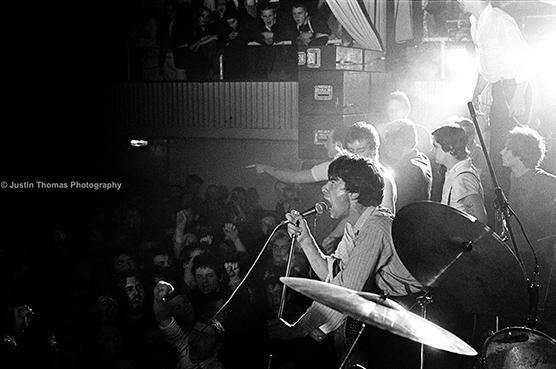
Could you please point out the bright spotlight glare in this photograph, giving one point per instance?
(458, 58)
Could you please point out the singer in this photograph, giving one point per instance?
(365, 259)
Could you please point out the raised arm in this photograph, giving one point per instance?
(285, 175)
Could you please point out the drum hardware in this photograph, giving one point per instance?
(423, 301)
(458, 260)
(352, 346)
(518, 348)
(502, 206)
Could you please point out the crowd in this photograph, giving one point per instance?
(194, 40)
(132, 283)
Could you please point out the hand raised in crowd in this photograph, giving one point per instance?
(232, 269)
(230, 231)
(161, 290)
(207, 239)
(189, 238)
(181, 219)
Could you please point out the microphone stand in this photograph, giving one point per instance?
(501, 203)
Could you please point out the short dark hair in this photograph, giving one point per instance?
(363, 131)
(208, 259)
(299, 4)
(361, 176)
(453, 139)
(528, 145)
(267, 6)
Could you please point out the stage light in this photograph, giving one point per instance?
(139, 143)
(458, 58)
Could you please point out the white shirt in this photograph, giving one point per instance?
(459, 185)
(503, 52)
(320, 171)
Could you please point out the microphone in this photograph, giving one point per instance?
(318, 209)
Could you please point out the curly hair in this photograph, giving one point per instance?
(360, 176)
(528, 145)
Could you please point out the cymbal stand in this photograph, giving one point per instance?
(423, 301)
(344, 362)
(502, 204)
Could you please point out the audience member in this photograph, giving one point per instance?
(197, 349)
(221, 7)
(271, 29)
(412, 169)
(290, 199)
(172, 39)
(362, 139)
(532, 200)
(399, 107)
(462, 186)
(144, 39)
(479, 161)
(234, 35)
(202, 38)
(311, 30)
(270, 61)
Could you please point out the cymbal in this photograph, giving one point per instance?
(380, 312)
(459, 259)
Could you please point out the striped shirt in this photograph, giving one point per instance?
(365, 251)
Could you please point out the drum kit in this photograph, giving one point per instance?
(458, 260)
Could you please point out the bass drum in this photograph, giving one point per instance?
(518, 348)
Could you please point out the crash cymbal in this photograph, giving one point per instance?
(459, 259)
(380, 312)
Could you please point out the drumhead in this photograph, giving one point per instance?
(519, 348)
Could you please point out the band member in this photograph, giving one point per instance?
(365, 258)
(505, 64)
